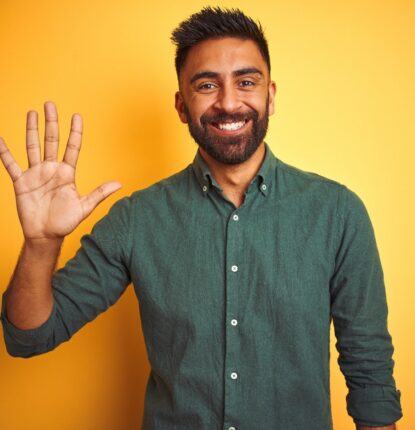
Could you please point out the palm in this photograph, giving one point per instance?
(48, 202)
(48, 189)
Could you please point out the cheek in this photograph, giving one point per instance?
(198, 107)
(255, 100)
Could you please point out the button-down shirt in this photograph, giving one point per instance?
(236, 303)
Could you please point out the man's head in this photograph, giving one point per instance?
(216, 23)
(225, 92)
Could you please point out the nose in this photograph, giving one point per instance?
(228, 99)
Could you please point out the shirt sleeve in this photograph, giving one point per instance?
(87, 285)
(359, 312)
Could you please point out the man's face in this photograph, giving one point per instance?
(226, 97)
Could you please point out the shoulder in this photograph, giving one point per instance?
(175, 188)
(141, 207)
(293, 180)
(297, 179)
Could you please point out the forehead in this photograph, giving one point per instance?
(223, 56)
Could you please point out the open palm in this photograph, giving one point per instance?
(48, 203)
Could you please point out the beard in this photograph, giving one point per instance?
(229, 149)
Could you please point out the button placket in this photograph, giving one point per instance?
(233, 279)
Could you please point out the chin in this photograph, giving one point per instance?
(230, 153)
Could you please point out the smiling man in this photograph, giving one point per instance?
(226, 85)
(226, 96)
(240, 262)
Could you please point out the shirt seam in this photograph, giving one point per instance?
(312, 176)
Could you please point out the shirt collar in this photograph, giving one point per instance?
(263, 179)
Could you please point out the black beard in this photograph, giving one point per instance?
(229, 149)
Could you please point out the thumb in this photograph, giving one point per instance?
(95, 197)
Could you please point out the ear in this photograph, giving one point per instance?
(179, 105)
(272, 90)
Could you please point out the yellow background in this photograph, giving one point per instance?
(345, 109)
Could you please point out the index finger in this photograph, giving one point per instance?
(74, 142)
(9, 162)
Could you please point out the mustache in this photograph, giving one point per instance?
(226, 117)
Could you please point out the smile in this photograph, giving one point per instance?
(230, 126)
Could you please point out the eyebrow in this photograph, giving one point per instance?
(239, 72)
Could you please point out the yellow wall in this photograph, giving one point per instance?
(345, 109)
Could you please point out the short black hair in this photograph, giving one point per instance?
(215, 23)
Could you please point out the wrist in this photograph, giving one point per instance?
(45, 250)
(43, 244)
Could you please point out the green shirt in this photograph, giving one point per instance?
(236, 303)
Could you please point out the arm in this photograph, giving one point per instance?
(30, 298)
(49, 208)
(359, 311)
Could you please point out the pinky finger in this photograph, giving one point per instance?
(95, 197)
(9, 162)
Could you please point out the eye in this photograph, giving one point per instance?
(246, 83)
(207, 86)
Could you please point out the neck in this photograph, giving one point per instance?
(234, 179)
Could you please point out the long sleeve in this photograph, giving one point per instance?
(87, 285)
(359, 312)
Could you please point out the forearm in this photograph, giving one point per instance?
(29, 295)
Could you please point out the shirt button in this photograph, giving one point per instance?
(263, 187)
(234, 268)
(234, 322)
(235, 217)
(234, 375)
(204, 188)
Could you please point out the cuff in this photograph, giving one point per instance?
(374, 406)
(25, 343)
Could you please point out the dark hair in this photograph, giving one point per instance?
(213, 23)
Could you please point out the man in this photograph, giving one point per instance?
(239, 262)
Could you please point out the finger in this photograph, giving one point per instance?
(51, 132)
(32, 139)
(91, 200)
(9, 162)
(74, 142)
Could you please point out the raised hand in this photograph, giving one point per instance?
(48, 203)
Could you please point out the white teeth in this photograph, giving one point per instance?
(231, 126)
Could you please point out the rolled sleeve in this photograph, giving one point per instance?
(374, 406)
(86, 286)
(26, 343)
(359, 312)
